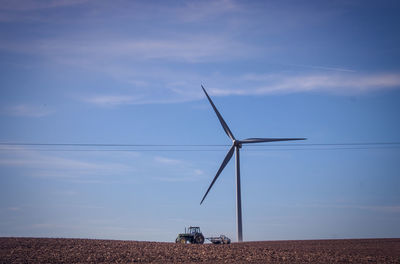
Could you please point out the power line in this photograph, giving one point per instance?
(100, 147)
(191, 145)
(109, 145)
(196, 150)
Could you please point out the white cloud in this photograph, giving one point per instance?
(27, 110)
(186, 11)
(110, 100)
(194, 11)
(385, 209)
(339, 83)
(14, 209)
(333, 82)
(27, 10)
(53, 166)
(198, 172)
(152, 65)
(175, 47)
(95, 50)
(24, 5)
(168, 161)
(375, 208)
(177, 170)
(319, 67)
(190, 176)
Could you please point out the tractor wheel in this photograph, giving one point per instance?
(199, 239)
(182, 240)
(225, 241)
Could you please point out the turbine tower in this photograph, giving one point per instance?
(236, 145)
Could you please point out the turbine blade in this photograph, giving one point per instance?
(221, 120)
(226, 160)
(259, 140)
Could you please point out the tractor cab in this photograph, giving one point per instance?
(194, 230)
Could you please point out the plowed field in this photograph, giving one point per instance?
(51, 250)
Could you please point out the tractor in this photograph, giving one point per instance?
(192, 235)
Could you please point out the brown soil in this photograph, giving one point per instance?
(52, 250)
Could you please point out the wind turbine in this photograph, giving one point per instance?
(236, 145)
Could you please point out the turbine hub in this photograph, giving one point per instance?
(237, 143)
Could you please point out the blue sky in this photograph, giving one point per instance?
(129, 72)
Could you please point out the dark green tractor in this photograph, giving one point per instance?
(193, 235)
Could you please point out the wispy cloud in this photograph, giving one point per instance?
(24, 5)
(333, 82)
(374, 208)
(190, 11)
(168, 161)
(320, 67)
(27, 110)
(168, 63)
(385, 209)
(110, 100)
(56, 166)
(14, 209)
(184, 47)
(345, 83)
(177, 170)
(27, 10)
(189, 177)
(201, 10)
